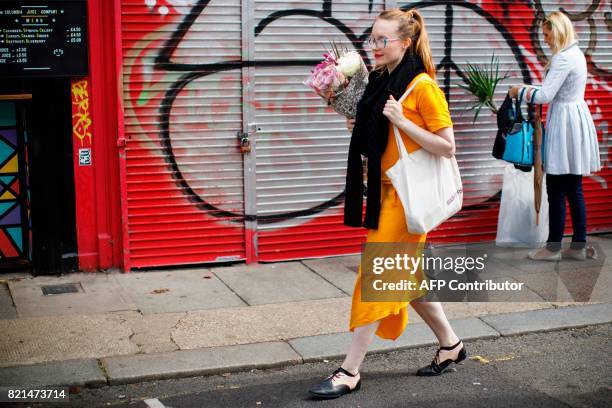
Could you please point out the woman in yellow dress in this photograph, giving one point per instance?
(402, 53)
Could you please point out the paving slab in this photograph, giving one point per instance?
(604, 242)
(335, 346)
(142, 367)
(517, 259)
(547, 284)
(602, 292)
(325, 346)
(350, 261)
(80, 372)
(263, 323)
(566, 265)
(259, 284)
(152, 333)
(54, 338)
(574, 285)
(416, 335)
(7, 308)
(495, 267)
(473, 328)
(177, 291)
(550, 319)
(457, 310)
(99, 293)
(526, 294)
(526, 265)
(334, 271)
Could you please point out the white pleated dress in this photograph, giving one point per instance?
(571, 145)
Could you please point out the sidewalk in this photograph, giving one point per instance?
(122, 328)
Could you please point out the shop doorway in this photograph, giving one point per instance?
(43, 235)
(15, 231)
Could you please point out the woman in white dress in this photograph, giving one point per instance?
(570, 149)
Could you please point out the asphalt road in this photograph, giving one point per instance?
(569, 368)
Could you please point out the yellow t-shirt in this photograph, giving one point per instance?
(426, 106)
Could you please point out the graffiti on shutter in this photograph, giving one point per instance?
(183, 95)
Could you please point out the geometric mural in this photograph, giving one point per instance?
(14, 212)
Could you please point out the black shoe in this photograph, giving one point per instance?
(327, 390)
(436, 368)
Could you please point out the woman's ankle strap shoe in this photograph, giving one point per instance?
(437, 368)
(450, 347)
(339, 383)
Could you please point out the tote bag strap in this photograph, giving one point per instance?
(518, 110)
(398, 139)
(405, 95)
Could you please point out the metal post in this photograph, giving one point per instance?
(249, 127)
(121, 142)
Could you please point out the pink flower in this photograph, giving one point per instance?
(325, 78)
(329, 59)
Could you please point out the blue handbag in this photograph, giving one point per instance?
(519, 139)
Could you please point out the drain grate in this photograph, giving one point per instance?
(61, 289)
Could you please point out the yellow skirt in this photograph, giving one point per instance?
(391, 228)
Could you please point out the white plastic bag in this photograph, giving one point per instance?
(516, 225)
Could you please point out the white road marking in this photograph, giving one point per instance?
(154, 403)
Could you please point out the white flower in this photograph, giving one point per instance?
(350, 63)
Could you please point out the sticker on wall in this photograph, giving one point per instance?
(85, 157)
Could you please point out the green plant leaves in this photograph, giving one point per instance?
(482, 82)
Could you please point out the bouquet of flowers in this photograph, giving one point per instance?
(340, 79)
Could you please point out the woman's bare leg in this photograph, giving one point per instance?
(362, 337)
(433, 314)
(347, 377)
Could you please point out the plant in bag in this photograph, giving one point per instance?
(482, 82)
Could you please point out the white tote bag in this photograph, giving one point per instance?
(428, 185)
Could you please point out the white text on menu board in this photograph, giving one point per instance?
(32, 26)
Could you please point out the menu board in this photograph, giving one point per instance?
(43, 38)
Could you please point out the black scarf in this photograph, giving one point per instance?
(369, 138)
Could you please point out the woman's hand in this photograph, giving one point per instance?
(350, 124)
(394, 111)
(514, 91)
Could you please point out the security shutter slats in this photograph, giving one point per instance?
(301, 145)
(185, 187)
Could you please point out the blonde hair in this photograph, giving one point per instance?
(561, 30)
(412, 26)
